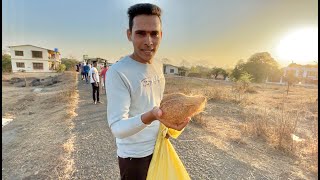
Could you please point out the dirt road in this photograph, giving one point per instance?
(95, 150)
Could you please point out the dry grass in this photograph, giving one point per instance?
(264, 112)
(70, 96)
(274, 126)
(68, 161)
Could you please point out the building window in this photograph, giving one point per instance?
(18, 53)
(37, 54)
(38, 66)
(20, 65)
(171, 70)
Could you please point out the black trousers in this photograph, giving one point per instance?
(134, 168)
(95, 90)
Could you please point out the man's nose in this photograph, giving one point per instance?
(148, 40)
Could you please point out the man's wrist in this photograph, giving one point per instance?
(148, 117)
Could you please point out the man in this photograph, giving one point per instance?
(134, 88)
(94, 80)
(83, 71)
(103, 76)
(90, 67)
(77, 67)
(86, 72)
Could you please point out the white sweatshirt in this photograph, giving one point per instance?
(133, 88)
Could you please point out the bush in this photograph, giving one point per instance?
(69, 63)
(6, 63)
(61, 68)
(194, 75)
(241, 86)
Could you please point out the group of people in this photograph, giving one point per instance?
(90, 73)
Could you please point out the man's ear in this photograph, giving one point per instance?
(129, 34)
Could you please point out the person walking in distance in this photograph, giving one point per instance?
(82, 71)
(103, 77)
(135, 87)
(86, 72)
(94, 80)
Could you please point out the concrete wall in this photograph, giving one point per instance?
(28, 64)
(27, 59)
(168, 67)
(303, 71)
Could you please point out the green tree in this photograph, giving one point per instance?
(219, 71)
(215, 72)
(245, 79)
(204, 71)
(242, 85)
(260, 66)
(194, 69)
(238, 69)
(69, 63)
(224, 73)
(61, 68)
(6, 63)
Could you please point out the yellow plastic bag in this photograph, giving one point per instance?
(165, 163)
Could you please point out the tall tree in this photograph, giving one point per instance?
(238, 70)
(70, 64)
(260, 66)
(218, 71)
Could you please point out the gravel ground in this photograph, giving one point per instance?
(204, 161)
(32, 142)
(95, 150)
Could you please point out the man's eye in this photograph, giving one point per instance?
(141, 33)
(154, 34)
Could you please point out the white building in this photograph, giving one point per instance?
(170, 69)
(31, 58)
(308, 74)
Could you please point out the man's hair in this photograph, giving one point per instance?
(142, 9)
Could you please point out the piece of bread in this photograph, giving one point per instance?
(176, 107)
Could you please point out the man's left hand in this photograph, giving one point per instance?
(158, 113)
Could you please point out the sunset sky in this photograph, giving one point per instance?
(205, 32)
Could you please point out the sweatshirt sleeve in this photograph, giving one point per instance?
(118, 104)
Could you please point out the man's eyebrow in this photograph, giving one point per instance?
(140, 31)
(143, 31)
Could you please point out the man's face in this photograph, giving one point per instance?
(146, 35)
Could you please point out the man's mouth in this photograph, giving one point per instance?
(148, 51)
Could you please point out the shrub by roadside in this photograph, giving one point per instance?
(61, 68)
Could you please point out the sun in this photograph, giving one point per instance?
(300, 46)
